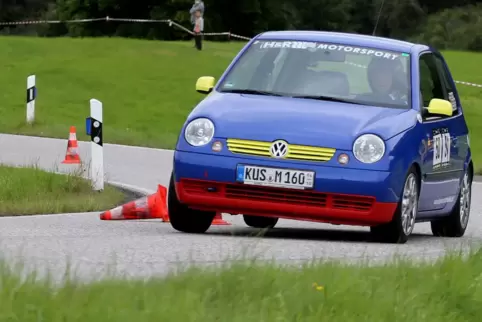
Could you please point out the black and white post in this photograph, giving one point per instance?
(97, 154)
(31, 96)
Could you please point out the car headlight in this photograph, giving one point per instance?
(199, 132)
(368, 148)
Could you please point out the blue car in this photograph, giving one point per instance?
(327, 127)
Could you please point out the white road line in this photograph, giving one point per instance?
(132, 187)
(126, 186)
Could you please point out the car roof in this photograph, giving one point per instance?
(342, 38)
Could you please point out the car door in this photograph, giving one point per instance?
(442, 165)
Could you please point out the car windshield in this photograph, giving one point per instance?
(322, 71)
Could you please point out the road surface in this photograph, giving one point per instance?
(145, 248)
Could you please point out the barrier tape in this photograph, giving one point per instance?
(36, 22)
(168, 21)
(468, 84)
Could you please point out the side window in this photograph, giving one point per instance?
(430, 83)
(448, 90)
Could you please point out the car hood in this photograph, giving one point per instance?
(299, 121)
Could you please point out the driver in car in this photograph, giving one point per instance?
(384, 82)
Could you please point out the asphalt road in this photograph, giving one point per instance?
(145, 248)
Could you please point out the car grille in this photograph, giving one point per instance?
(295, 152)
(280, 195)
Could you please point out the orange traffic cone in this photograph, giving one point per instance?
(219, 221)
(162, 203)
(72, 154)
(149, 207)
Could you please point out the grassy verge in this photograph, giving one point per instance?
(147, 87)
(448, 290)
(462, 69)
(28, 191)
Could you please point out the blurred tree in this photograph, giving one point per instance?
(447, 23)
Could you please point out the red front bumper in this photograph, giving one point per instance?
(284, 203)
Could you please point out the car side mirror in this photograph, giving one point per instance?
(439, 107)
(205, 84)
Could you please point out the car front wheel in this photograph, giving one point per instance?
(185, 219)
(403, 222)
(456, 223)
(260, 222)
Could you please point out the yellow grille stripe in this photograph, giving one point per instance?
(311, 148)
(247, 151)
(326, 152)
(251, 147)
(248, 142)
(241, 146)
(297, 152)
(310, 158)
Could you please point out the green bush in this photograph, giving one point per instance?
(457, 28)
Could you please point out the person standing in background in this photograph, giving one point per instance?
(198, 29)
(197, 6)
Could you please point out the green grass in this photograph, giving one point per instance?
(463, 69)
(147, 87)
(448, 290)
(28, 191)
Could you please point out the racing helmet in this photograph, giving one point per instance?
(390, 68)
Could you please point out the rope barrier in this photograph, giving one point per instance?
(168, 21)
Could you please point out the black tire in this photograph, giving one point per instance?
(185, 219)
(453, 225)
(394, 231)
(260, 222)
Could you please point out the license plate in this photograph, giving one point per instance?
(275, 177)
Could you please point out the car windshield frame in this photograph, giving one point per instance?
(255, 47)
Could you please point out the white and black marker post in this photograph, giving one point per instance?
(97, 154)
(31, 96)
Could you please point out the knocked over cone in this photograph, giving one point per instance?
(149, 207)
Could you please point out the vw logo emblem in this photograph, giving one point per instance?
(279, 149)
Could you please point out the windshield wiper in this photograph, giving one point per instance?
(326, 98)
(249, 91)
